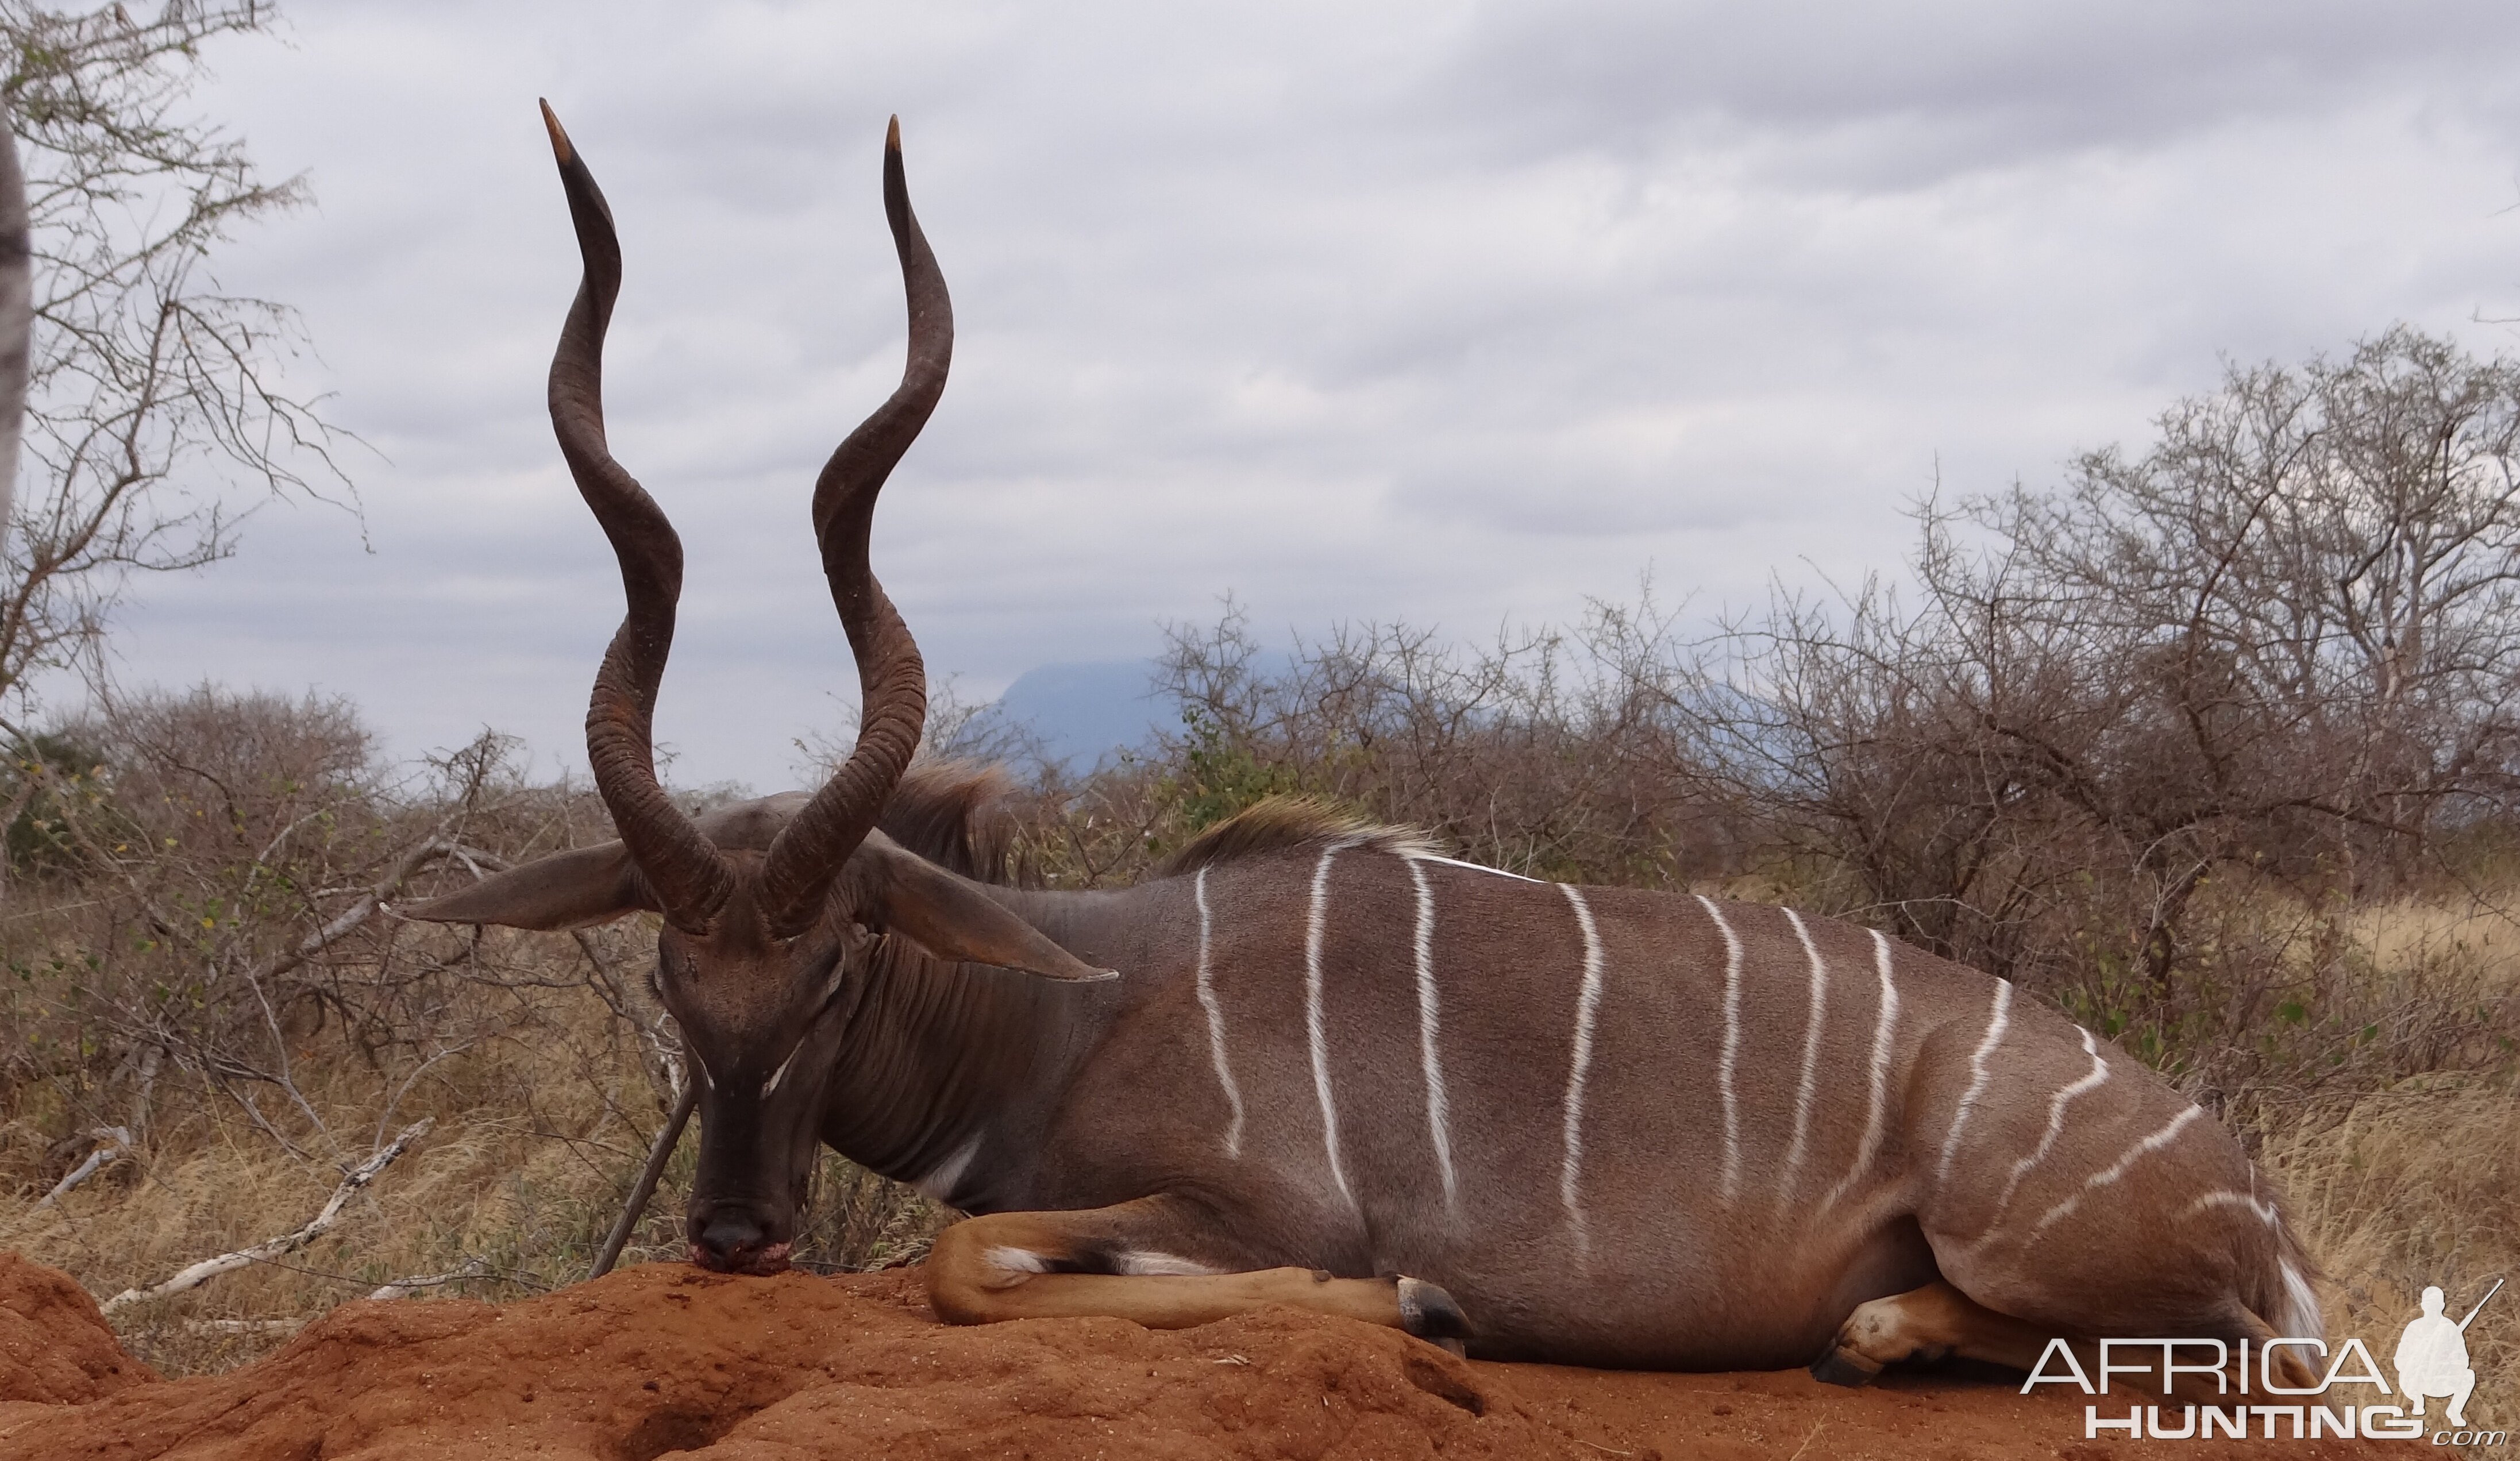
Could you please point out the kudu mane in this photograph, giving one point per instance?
(1286, 823)
(955, 815)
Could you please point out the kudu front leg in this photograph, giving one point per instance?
(1127, 1263)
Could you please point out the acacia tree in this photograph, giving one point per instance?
(155, 397)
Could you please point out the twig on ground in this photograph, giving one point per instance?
(112, 1143)
(401, 1288)
(355, 1182)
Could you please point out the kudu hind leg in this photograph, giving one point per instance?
(1117, 1262)
(1934, 1322)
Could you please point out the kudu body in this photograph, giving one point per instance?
(1309, 1057)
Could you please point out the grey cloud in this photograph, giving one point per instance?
(1456, 313)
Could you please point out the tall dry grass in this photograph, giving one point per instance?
(2410, 1188)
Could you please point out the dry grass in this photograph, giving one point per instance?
(2415, 1186)
(536, 1137)
(2419, 1183)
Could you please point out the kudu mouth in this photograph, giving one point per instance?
(695, 882)
(732, 1239)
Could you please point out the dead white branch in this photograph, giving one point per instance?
(401, 1288)
(420, 855)
(111, 1142)
(352, 1185)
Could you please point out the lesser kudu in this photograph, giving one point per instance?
(1588, 1125)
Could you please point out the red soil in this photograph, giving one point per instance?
(665, 1358)
(54, 1347)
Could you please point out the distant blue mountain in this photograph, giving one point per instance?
(1078, 713)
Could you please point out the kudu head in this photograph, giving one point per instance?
(765, 914)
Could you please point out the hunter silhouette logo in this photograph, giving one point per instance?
(2432, 1357)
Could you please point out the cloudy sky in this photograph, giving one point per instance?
(1454, 312)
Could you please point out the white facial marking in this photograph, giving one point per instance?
(1315, 916)
(1424, 856)
(1216, 1023)
(1438, 1117)
(1979, 1074)
(2092, 1079)
(780, 1073)
(1884, 1026)
(1588, 1007)
(2109, 1174)
(1732, 1049)
(1015, 1260)
(940, 1183)
(1810, 1085)
(1147, 1260)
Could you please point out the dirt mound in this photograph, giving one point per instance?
(55, 1348)
(665, 1358)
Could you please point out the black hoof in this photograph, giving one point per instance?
(1428, 1312)
(1834, 1368)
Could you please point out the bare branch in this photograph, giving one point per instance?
(355, 1181)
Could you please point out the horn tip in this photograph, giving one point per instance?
(892, 135)
(561, 148)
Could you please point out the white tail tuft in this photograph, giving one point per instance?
(2300, 1318)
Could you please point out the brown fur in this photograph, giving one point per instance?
(1284, 823)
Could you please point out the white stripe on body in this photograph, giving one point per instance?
(1426, 856)
(1588, 1007)
(1438, 1116)
(1884, 1028)
(1732, 1049)
(1315, 918)
(1810, 1059)
(2090, 1080)
(1216, 1022)
(2109, 1174)
(1979, 1074)
(2266, 1211)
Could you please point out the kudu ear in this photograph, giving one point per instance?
(949, 915)
(563, 891)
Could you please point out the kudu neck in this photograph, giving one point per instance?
(957, 1068)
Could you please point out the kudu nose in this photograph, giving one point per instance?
(730, 1241)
